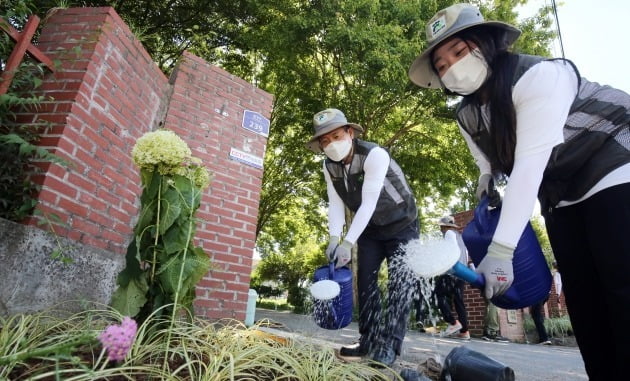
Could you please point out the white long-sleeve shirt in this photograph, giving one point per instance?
(375, 168)
(542, 99)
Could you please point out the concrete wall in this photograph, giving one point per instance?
(30, 280)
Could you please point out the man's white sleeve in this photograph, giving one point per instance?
(375, 168)
(336, 208)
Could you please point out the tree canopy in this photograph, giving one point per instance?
(313, 54)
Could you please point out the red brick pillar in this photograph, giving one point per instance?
(207, 110)
(108, 93)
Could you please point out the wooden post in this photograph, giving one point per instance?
(22, 45)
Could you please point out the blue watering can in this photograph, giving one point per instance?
(334, 309)
(532, 278)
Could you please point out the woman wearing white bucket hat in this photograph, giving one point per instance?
(555, 135)
(361, 176)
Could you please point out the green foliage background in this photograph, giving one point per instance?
(313, 54)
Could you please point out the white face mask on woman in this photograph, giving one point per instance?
(467, 75)
(338, 150)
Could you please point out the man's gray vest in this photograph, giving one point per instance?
(396, 206)
(596, 137)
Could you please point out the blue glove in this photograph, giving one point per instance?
(343, 253)
(332, 245)
(497, 269)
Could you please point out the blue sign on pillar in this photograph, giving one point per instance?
(255, 122)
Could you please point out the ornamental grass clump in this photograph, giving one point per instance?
(162, 264)
(53, 345)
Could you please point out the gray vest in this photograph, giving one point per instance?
(396, 206)
(596, 137)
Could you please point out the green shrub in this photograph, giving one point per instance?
(274, 304)
(19, 153)
(557, 327)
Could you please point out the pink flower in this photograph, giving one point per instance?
(117, 339)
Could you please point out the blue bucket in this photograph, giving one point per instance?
(337, 312)
(532, 278)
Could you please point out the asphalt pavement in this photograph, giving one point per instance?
(529, 361)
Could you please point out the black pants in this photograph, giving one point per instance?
(450, 290)
(418, 304)
(389, 329)
(536, 311)
(591, 243)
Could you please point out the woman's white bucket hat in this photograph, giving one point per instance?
(443, 25)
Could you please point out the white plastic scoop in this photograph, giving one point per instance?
(325, 289)
(430, 257)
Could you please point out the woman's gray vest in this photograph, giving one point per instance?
(396, 206)
(596, 137)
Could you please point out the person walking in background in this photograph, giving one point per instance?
(557, 281)
(418, 305)
(557, 136)
(491, 325)
(363, 177)
(449, 289)
(537, 312)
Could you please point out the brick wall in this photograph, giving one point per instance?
(108, 93)
(206, 110)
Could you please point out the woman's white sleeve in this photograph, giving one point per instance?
(542, 99)
(480, 159)
(336, 208)
(375, 168)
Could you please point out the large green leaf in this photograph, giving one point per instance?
(196, 262)
(176, 238)
(147, 213)
(151, 181)
(190, 194)
(132, 265)
(130, 299)
(170, 208)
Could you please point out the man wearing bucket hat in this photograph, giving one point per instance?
(555, 135)
(449, 288)
(363, 177)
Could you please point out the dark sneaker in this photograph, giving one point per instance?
(354, 350)
(500, 339)
(384, 356)
(494, 337)
(546, 342)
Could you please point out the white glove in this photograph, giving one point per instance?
(343, 253)
(497, 269)
(332, 245)
(483, 185)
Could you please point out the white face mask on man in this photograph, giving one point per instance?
(467, 75)
(339, 149)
